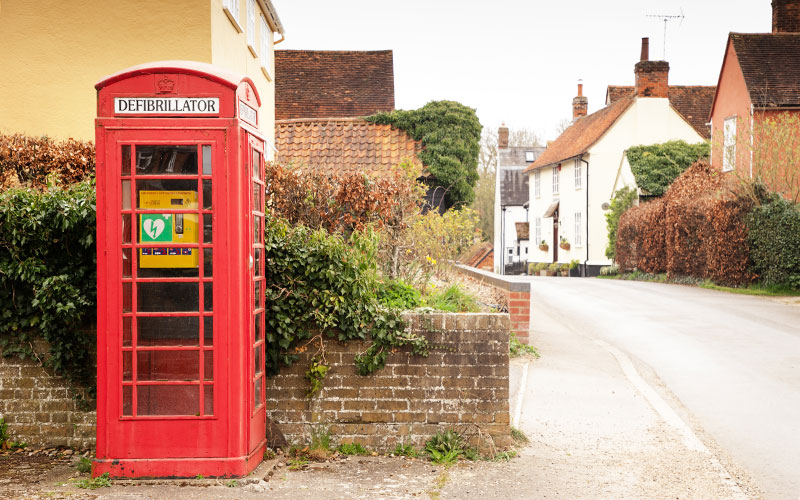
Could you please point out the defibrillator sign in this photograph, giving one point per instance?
(168, 228)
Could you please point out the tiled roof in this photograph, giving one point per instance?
(476, 254)
(513, 187)
(691, 101)
(514, 156)
(343, 144)
(523, 230)
(332, 84)
(582, 134)
(770, 63)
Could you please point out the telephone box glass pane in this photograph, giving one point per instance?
(166, 160)
(206, 160)
(126, 331)
(256, 228)
(257, 393)
(207, 201)
(168, 331)
(166, 272)
(257, 294)
(208, 397)
(208, 232)
(126, 262)
(208, 297)
(126, 195)
(208, 330)
(258, 200)
(257, 262)
(167, 365)
(208, 365)
(258, 328)
(208, 262)
(167, 400)
(258, 360)
(256, 164)
(168, 297)
(126, 297)
(166, 194)
(127, 369)
(126, 159)
(126, 228)
(127, 400)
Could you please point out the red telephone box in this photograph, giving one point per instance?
(180, 256)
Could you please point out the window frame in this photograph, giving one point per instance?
(729, 144)
(530, 156)
(232, 9)
(578, 228)
(538, 230)
(537, 184)
(556, 178)
(265, 59)
(578, 174)
(251, 27)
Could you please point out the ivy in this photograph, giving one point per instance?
(655, 167)
(450, 133)
(623, 200)
(48, 277)
(774, 240)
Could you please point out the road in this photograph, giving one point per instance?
(727, 364)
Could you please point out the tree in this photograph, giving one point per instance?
(562, 125)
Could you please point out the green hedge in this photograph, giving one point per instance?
(657, 165)
(48, 276)
(774, 239)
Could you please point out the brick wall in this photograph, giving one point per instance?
(652, 79)
(462, 384)
(40, 409)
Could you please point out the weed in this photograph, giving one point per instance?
(445, 448)
(3, 432)
(517, 348)
(232, 483)
(405, 450)
(352, 449)
(297, 463)
(320, 438)
(94, 482)
(199, 476)
(438, 484)
(518, 436)
(84, 465)
(504, 456)
(452, 299)
(269, 454)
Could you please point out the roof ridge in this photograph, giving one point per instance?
(322, 120)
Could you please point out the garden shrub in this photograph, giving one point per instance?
(450, 134)
(398, 294)
(28, 161)
(656, 166)
(48, 277)
(641, 238)
(774, 238)
(623, 199)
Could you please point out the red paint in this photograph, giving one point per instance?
(175, 400)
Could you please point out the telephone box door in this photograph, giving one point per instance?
(168, 341)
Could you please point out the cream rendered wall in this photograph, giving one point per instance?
(229, 50)
(537, 207)
(646, 121)
(53, 52)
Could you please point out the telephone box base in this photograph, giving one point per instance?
(169, 468)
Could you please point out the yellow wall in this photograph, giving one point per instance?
(53, 52)
(229, 50)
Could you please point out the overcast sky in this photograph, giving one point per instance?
(517, 61)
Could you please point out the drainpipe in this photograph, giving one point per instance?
(586, 262)
(503, 240)
(751, 140)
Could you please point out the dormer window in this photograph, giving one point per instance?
(529, 156)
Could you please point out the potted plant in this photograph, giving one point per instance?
(538, 269)
(543, 246)
(563, 243)
(574, 269)
(553, 268)
(564, 270)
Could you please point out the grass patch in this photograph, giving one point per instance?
(452, 299)
(405, 450)
(94, 482)
(297, 463)
(352, 449)
(84, 465)
(756, 289)
(518, 436)
(446, 448)
(517, 348)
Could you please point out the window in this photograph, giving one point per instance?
(266, 52)
(729, 145)
(578, 229)
(556, 175)
(538, 234)
(537, 183)
(232, 10)
(578, 175)
(251, 25)
(529, 156)
(510, 251)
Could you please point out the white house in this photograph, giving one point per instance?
(510, 200)
(575, 178)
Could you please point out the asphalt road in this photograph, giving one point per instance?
(729, 363)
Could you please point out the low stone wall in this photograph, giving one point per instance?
(462, 384)
(41, 409)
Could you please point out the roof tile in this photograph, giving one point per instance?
(691, 101)
(770, 63)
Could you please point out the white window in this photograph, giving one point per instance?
(578, 174)
(232, 9)
(556, 175)
(538, 233)
(251, 25)
(537, 183)
(529, 156)
(729, 145)
(266, 49)
(578, 229)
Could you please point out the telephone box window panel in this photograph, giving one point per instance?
(168, 297)
(165, 331)
(166, 160)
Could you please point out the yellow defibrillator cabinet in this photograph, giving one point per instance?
(168, 229)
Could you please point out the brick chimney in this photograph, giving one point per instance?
(786, 16)
(579, 103)
(651, 76)
(502, 137)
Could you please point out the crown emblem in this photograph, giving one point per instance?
(165, 86)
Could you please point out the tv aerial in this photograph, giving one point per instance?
(667, 18)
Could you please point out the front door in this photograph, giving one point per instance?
(555, 236)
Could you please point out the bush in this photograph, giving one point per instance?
(28, 161)
(397, 294)
(774, 238)
(656, 166)
(554, 266)
(48, 277)
(640, 238)
(609, 271)
(623, 199)
(452, 299)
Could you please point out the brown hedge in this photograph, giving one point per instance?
(698, 228)
(27, 161)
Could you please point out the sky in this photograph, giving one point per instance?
(518, 62)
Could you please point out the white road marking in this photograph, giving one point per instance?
(520, 395)
(672, 419)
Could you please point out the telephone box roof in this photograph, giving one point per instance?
(203, 70)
